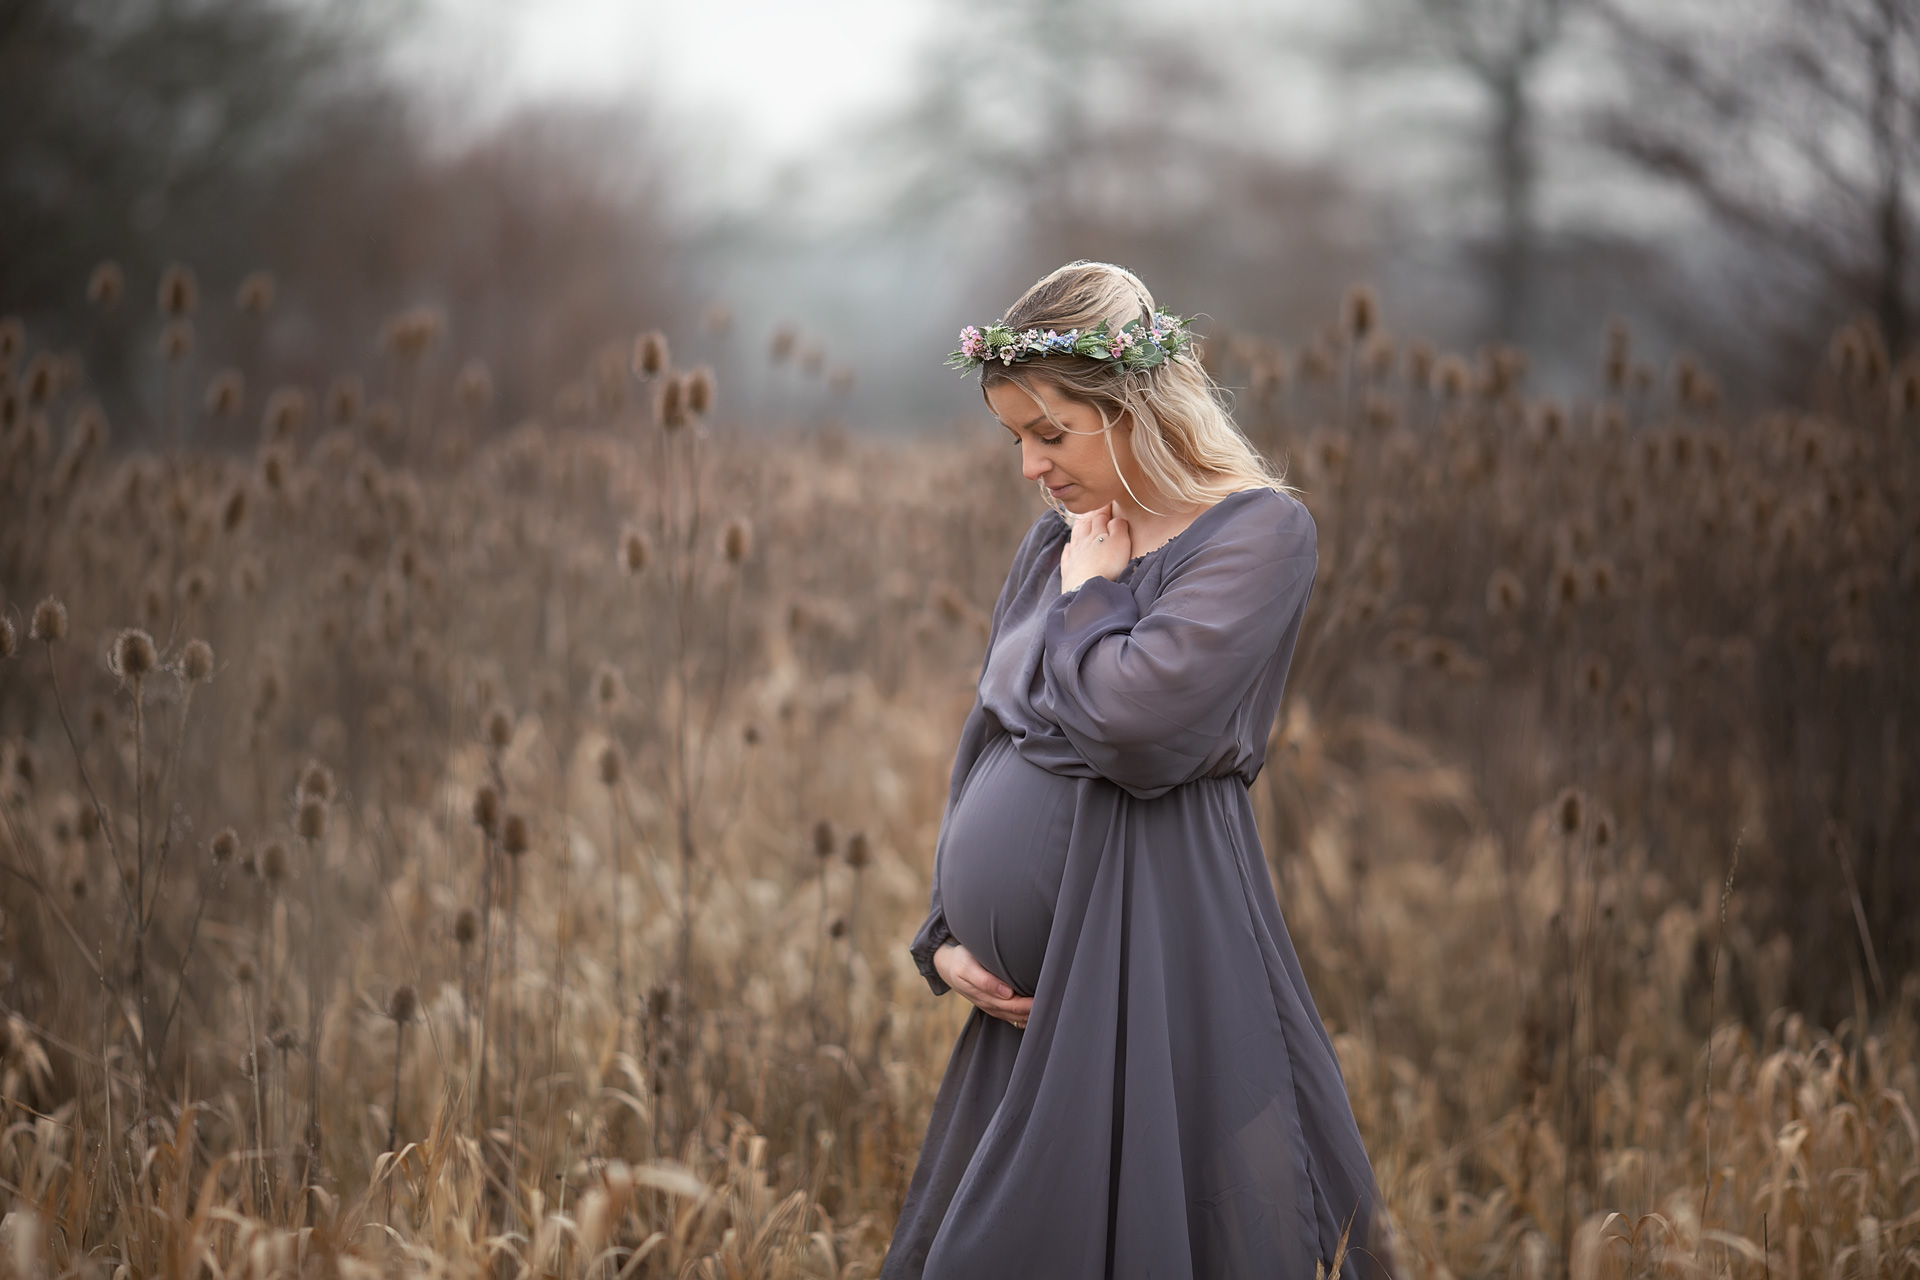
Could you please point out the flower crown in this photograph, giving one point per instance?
(1134, 346)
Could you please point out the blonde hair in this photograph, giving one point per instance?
(1184, 439)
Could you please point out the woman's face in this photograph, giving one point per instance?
(1074, 464)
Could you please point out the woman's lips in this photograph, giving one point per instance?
(1057, 489)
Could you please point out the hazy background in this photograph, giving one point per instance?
(1732, 178)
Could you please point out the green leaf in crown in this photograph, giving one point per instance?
(1136, 346)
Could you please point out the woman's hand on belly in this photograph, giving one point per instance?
(987, 993)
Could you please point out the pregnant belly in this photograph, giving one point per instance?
(1001, 857)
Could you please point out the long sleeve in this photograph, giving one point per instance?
(1147, 699)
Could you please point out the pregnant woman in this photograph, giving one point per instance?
(1144, 1088)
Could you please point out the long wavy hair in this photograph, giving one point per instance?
(1184, 439)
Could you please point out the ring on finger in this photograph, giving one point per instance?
(1101, 538)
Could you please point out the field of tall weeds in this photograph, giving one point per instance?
(437, 847)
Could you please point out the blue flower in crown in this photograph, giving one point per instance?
(1135, 346)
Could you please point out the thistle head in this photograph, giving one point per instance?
(609, 687)
(346, 395)
(823, 839)
(224, 845)
(402, 1003)
(612, 765)
(133, 656)
(466, 927)
(858, 853)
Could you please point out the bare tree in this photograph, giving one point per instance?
(1796, 125)
(1502, 47)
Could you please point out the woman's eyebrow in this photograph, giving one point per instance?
(1027, 426)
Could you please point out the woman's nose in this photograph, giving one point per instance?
(1032, 464)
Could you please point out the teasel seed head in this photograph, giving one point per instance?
(233, 512)
(105, 285)
(196, 662)
(473, 387)
(1360, 313)
(609, 687)
(1603, 830)
(1593, 676)
(176, 340)
(737, 540)
(466, 927)
(285, 413)
(700, 391)
(1505, 594)
(858, 853)
(409, 334)
(273, 864)
(179, 292)
(316, 782)
(226, 395)
(635, 551)
(612, 764)
(310, 820)
(670, 404)
(486, 809)
(346, 396)
(823, 839)
(225, 843)
(243, 973)
(402, 1003)
(134, 656)
(1567, 587)
(515, 837)
(838, 929)
(1569, 811)
(195, 585)
(1451, 377)
(48, 620)
(256, 294)
(650, 354)
(499, 728)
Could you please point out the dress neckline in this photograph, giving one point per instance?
(1135, 561)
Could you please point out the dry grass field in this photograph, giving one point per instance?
(437, 848)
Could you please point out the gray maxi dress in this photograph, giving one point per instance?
(1174, 1108)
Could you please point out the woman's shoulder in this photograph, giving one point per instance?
(1271, 520)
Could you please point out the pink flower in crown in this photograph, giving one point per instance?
(1006, 355)
(972, 343)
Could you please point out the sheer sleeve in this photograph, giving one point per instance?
(1146, 699)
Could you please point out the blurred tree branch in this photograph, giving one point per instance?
(1796, 125)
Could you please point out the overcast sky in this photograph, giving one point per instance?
(773, 77)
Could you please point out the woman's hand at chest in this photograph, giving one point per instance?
(1099, 547)
(959, 970)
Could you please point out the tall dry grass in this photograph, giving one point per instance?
(500, 856)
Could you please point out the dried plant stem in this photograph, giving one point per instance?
(314, 997)
(86, 779)
(1713, 984)
(165, 797)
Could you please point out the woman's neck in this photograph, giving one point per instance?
(1149, 531)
